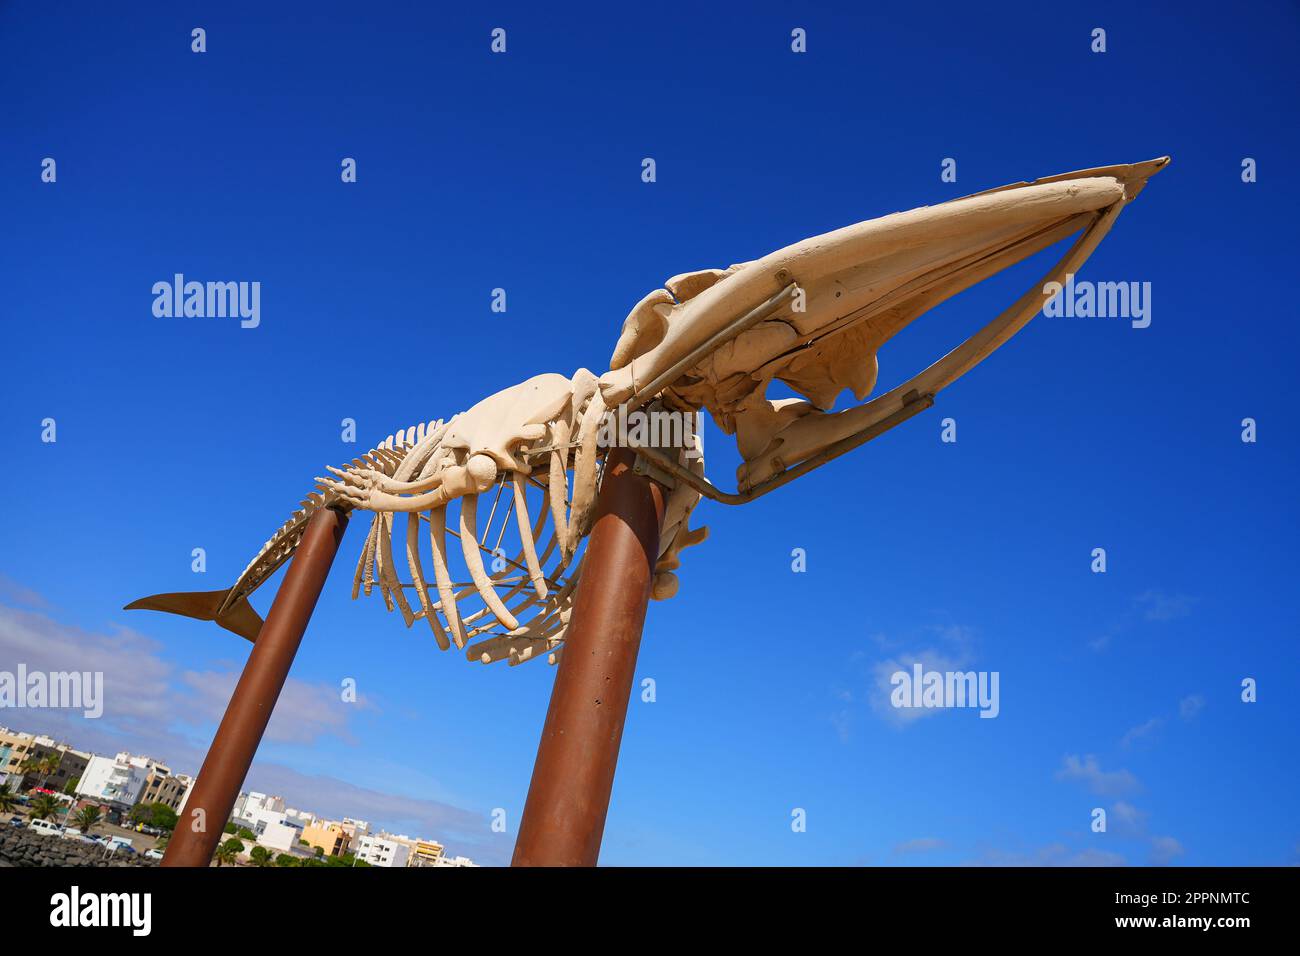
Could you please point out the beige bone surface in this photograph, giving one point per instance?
(812, 315)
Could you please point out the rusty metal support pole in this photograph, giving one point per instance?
(231, 753)
(564, 815)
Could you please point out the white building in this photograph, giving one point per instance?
(454, 861)
(380, 852)
(247, 805)
(115, 780)
(355, 828)
(279, 835)
(300, 818)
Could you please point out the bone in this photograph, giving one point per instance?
(696, 321)
(643, 328)
(690, 284)
(438, 545)
(861, 285)
(389, 584)
(584, 475)
(469, 546)
(558, 485)
(417, 578)
(363, 562)
(806, 436)
(526, 536)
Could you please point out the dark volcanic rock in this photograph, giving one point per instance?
(22, 847)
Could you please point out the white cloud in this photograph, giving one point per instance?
(1190, 706)
(1141, 732)
(958, 638)
(1101, 782)
(1054, 854)
(1159, 606)
(146, 697)
(304, 713)
(883, 687)
(135, 677)
(1129, 818)
(1164, 849)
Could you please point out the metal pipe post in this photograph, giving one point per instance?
(241, 729)
(564, 815)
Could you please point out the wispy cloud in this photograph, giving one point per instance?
(1053, 854)
(1127, 818)
(1164, 850)
(1161, 606)
(1151, 606)
(11, 592)
(464, 831)
(1190, 706)
(919, 845)
(1088, 771)
(1142, 732)
(153, 707)
(304, 713)
(953, 652)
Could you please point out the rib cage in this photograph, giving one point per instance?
(385, 457)
(508, 594)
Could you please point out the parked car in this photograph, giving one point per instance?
(16, 821)
(153, 854)
(70, 833)
(46, 827)
(120, 843)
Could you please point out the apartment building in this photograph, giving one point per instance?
(329, 836)
(17, 747)
(116, 781)
(161, 786)
(426, 853)
(378, 851)
(356, 829)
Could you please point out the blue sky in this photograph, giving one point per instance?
(522, 171)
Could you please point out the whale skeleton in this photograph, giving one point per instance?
(812, 315)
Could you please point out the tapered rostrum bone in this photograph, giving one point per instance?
(820, 261)
(807, 436)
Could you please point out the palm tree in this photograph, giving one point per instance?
(228, 851)
(44, 766)
(8, 799)
(45, 807)
(87, 818)
(29, 765)
(261, 856)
